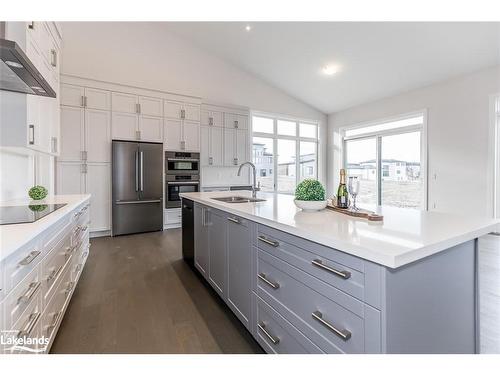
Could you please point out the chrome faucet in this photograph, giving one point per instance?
(255, 187)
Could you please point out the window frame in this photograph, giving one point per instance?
(297, 138)
(377, 135)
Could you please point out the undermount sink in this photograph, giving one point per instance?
(238, 199)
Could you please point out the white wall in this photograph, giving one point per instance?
(147, 55)
(459, 138)
(16, 176)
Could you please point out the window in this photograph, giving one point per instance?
(287, 146)
(387, 158)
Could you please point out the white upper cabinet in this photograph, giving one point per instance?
(98, 135)
(235, 121)
(97, 99)
(211, 118)
(151, 128)
(126, 103)
(72, 95)
(72, 134)
(191, 136)
(124, 126)
(191, 112)
(150, 106)
(172, 109)
(28, 121)
(172, 135)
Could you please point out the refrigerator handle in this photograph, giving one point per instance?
(142, 170)
(137, 171)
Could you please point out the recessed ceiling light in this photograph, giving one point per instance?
(248, 27)
(330, 70)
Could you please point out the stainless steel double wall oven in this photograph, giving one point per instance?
(182, 171)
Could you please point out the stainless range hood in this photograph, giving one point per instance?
(18, 74)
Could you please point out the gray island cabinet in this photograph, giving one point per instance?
(298, 296)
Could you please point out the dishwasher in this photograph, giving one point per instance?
(187, 231)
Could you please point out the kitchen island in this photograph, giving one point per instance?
(324, 282)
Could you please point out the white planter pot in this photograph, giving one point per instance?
(310, 206)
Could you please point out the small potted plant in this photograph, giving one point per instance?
(37, 193)
(310, 195)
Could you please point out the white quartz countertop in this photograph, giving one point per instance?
(14, 236)
(405, 235)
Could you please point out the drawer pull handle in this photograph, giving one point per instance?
(319, 263)
(71, 285)
(234, 220)
(30, 292)
(26, 331)
(69, 250)
(30, 258)
(274, 340)
(84, 255)
(54, 273)
(269, 242)
(344, 334)
(54, 322)
(274, 285)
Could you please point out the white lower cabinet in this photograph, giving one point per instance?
(88, 178)
(172, 218)
(33, 307)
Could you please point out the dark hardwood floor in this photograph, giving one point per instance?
(137, 295)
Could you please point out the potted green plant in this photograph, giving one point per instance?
(37, 192)
(310, 195)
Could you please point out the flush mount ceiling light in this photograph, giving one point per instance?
(248, 27)
(330, 70)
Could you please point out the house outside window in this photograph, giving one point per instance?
(288, 146)
(388, 157)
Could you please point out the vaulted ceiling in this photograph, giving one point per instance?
(373, 60)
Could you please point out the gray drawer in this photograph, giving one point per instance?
(330, 318)
(278, 336)
(359, 278)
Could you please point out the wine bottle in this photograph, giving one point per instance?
(342, 193)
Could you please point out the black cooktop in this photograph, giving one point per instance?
(26, 214)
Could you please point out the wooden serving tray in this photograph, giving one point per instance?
(361, 213)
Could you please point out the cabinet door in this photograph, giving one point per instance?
(44, 128)
(97, 99)
(241, 146)
(151, 106)
(239, 258)
(121, 102)
(205, 156)
(191, 112)
(200, 240)
(70, 178)
(72, 95)
(229, 147)
(191, 135)
(98, 184)
(172, 138)
(242, 121)
(172, 109)
(216, 145)
(205, 117)
(151, 128)
(124, 126)
(72, 133)
(217, 252)
(229, 119)
(98, 135)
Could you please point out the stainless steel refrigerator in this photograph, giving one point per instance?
(137, 187)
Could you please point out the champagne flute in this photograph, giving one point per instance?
(353, 187)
